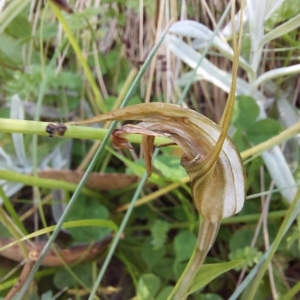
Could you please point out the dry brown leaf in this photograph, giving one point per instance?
(70, 255)
(95, 181)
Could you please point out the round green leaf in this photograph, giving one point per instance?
(63, 278)
(245, 112)
(241, 239)
(184, 244)
(148, 286)
(263, 130)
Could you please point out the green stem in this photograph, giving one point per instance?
(274, 215)
(73, 131)
(292, 292)
(44, 182)
(11, 227)
(10, 208)
(206, 237)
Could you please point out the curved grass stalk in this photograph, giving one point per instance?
(15, 222)
(69, 224)
(44, 183)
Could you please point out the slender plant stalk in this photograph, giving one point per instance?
(12, 212)
(279, 138)
(44, 182)
(209, 231)
(155, 194)
(70, 224)
(251, 218)
(32, 257)
(292, 292)
(7, 222)
(72, 131)
(117, 237)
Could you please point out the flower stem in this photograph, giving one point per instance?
(206, 237)
(72, 131)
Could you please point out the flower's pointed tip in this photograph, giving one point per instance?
(119, 142)
(62, 4)
(147, 145)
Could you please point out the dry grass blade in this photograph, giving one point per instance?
(32, 257)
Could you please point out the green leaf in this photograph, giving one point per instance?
(250, 255)
(241, 239)
(20, 27)
(5, 112)
(148, 286)
(88, 209)
(163, 268)
(159, 231)
(170, 167)
(184, 244)
(240, 140)
(212, 297)
(285, 12)
(178, 268)
(63, 278)
(245, 112)
(209, 272)
(49, 31)
(263, 130)
(47, 296)
(10, 48)
(163, 295)
(11, 11)
(152, 256)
